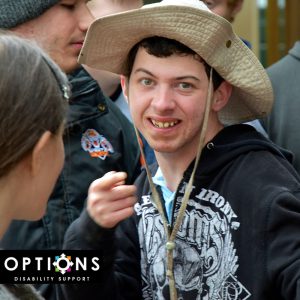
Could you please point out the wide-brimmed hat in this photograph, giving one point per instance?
(109, 40)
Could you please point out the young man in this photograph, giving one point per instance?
(98, 137)
(219, 216)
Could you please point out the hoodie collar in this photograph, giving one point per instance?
(231, 142)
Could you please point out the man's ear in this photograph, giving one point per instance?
(221, 96)
(124, 85)
(39, 152)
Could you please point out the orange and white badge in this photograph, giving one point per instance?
(96, 144)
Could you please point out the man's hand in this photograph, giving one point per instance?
(110, 200)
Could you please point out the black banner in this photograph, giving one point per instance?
(50, 266)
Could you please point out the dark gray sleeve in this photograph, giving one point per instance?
(120, 276)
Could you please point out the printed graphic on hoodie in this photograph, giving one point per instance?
(205, 260)
(96, 144)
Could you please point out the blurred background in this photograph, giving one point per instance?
(271, 26)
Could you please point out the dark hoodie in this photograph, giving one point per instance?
(239, 238)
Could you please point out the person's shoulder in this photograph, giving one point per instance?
(286, 62)
(18, 291)
(295, 50)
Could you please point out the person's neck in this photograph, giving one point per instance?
(173, 165)
(173, 168)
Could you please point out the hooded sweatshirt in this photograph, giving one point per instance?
(237, 240)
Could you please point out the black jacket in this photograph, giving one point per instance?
(239, 237)
(95, 126)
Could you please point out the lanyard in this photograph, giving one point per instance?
(171, 233)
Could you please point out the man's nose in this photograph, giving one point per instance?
(163, 98)
(85, 17)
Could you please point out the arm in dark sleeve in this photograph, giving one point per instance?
(283, 258)
(120, 275)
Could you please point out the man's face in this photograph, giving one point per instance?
(224, 9)
(167, 97)
(60, 31)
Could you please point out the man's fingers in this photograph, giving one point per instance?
(101, 208)
(109, 180)
(122, 191)
(123, 203)
(115, 217)
(110, 200)
(116, 193)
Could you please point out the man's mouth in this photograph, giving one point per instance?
(160, 124)
(78, 44)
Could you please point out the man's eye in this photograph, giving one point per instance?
(146, 81)
(68, 6)
(184, 85)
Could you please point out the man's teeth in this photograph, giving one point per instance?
(164, 124)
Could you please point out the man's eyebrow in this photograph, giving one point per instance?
(144, 71)
(176, 78)
(187, 77)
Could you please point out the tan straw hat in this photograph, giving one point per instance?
(109, 40)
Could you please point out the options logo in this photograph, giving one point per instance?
(63, 264)
(51, 266)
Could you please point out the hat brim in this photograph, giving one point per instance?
(109, 40)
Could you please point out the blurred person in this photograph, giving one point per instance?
(281, 124)
(32, 119)
(98, 137)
